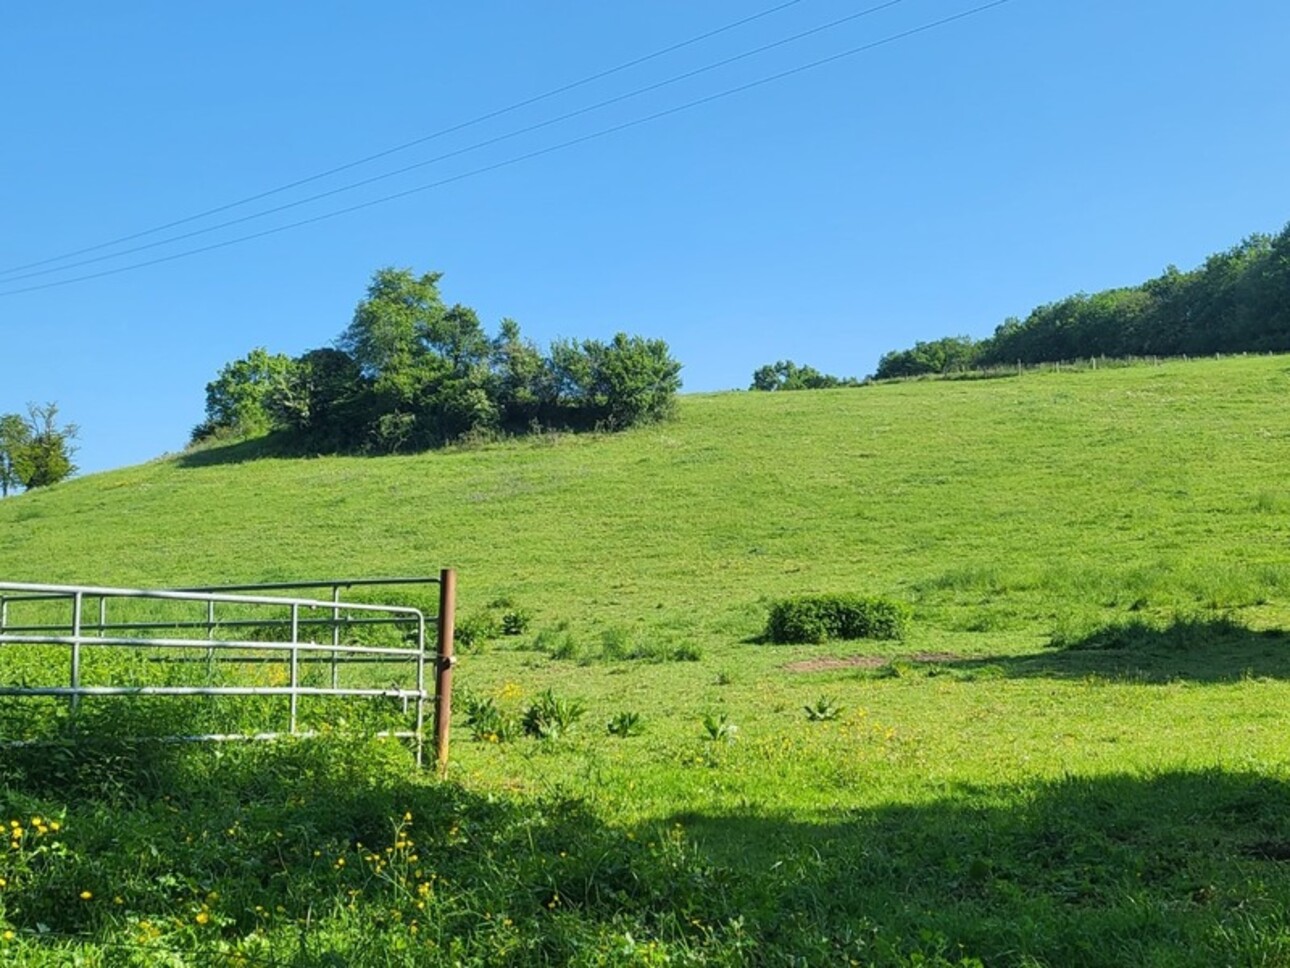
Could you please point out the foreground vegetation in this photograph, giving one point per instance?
(1075, 755)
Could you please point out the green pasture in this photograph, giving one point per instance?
(1077, 755)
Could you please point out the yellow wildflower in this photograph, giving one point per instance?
(87, 895)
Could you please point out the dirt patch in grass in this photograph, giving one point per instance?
(867, 661)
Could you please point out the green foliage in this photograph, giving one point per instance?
(15, 437)
(717, 728)
(817, 618)
(558, 643)
(787, 375)
(411, 373)
(625, 724)
(550, 716)
(953, 354)
(240, 401)
(486, 722)
(515, 622)
(35, 451)
(632, 381)
(1236, 302)
(475, 629)
(824, 709)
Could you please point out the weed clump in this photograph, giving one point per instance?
(551, 716)
(817, 618)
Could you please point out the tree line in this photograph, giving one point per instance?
(1237, 301)
(411, 372)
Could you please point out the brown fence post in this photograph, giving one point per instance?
(444, 664)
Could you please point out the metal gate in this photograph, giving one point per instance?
(73, 644)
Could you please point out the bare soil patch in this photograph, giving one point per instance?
(867, 661)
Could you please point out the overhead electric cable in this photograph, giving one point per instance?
(528, 129)
(708, 99)
(460, 126)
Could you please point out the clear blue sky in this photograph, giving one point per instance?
(928, 187)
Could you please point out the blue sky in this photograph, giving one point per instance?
(926, 187)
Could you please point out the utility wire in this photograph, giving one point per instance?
(729, 92)
(499, 112)
(528, 129)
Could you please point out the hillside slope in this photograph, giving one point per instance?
(1076, 757)
(1164, 483)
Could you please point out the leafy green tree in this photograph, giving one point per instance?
(633, 380)
(517, 371)
(386, 336)
(787, 375)
(46, 456)
(321, 400)
(15, 436)
(410, 372)
(948, 355)
(240, 401)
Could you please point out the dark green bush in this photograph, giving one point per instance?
(817, 618)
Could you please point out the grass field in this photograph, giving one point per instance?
(1078, 754)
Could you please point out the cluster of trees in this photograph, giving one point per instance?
(1237, 301)
(34, 450)
(787, 375)
(411, 372)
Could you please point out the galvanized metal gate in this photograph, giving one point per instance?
(228, 634)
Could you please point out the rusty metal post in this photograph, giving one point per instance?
(444, 664)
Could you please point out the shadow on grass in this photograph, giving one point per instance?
(274, 446)
(335, 853)
(1185, 868)
(1196, 650)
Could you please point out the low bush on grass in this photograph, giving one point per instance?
(818, 618)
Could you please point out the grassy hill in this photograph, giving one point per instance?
(1076, 756)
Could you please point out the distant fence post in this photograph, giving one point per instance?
(444, 664)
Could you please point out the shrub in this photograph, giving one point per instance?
(816, 618)
(515, 622)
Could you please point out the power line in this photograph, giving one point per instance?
(708, 99)
(240, 220)
(499, 112)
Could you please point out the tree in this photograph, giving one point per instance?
(410, 373)
(240, 401)
(15, 436)
(633, 380)
(787, 375)
(45, 457)
(385, 337)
